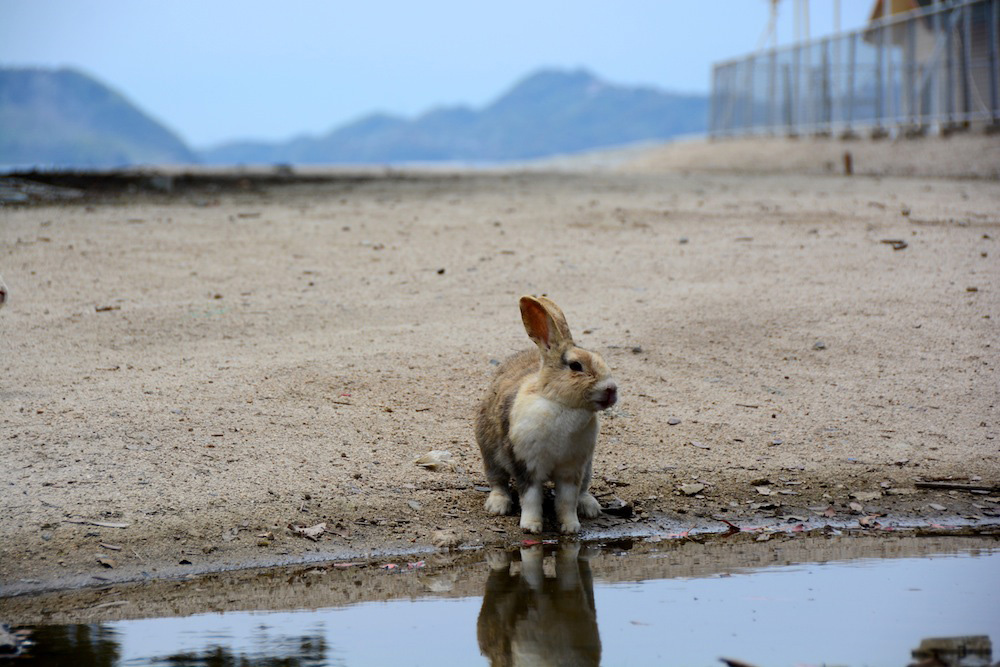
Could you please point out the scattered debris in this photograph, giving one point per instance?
(956, 486)
(414, 505)
(897, 244)
(102, 524)
(699, 445)
(106, 562)
(445, 539)
(691, 488)
(763, 490)
(104, 309)
(312, 532)
(436, 459)
(618, 507)
(936, 507)
(866, 496)
(733, 528)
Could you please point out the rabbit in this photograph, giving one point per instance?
(538, 422)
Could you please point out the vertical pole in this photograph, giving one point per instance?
(795, 113)
(891, 103)
(772, 102)
(879, 52)
(949, 71)
(994, 37)
(826, 97)
(712, 104)
(967, 64)
(935, 80)
(851, 65)
(787, 95)
(809, 105)
(835, 111)
(909, 68)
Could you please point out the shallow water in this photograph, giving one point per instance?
(551, 606)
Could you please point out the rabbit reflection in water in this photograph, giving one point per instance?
(528, 618)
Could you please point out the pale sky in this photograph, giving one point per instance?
(220, 70)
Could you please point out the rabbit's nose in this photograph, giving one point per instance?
(610, 395)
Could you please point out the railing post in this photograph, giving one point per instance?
(966, 64)
(772, 102)
(910, 78)
(935, 75)
(994, 37)
(949, 71)
(786, 75)
(879, 91)
(851, 64)
(826, 115)
(749, 96)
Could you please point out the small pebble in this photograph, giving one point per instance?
(819, 345)
(673, 421)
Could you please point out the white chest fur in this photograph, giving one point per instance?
(549, 437)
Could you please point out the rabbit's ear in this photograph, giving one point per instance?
(544, 322)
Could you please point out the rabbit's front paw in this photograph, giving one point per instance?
(531, 524)
(498, 502)
(570, 526)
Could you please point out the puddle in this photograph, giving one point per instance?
(794, 600)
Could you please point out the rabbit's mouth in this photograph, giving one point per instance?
(607, 397)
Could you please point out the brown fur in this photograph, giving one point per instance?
(549, 375)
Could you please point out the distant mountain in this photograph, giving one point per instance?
(64, 118)
(548, 113)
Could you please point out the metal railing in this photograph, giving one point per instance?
(932, 69)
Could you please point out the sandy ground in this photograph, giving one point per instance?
(199, 370)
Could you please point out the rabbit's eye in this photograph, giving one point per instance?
(575, 366)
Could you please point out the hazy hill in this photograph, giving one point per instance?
(64, 118)
(550, 112)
